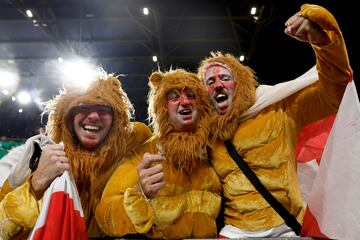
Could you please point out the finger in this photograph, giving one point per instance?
(62, 159)
(65, 166)
(149, 159)
(292, 19)
(61, 167)
(303, 29)
(146, 174)
(154, 169)
(315, 34)
(155, 178)
(53, 152)
(158, 185)
(294, 26)
(54, 147)
(155, 189)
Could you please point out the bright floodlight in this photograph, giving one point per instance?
(242, 58)
(8, 79)
(20, 110)
(154, 58)
(253, 11)
(29, 13)
(146, 11)
(8, 82)
(60, 59)
(24, 97)
(79, 73)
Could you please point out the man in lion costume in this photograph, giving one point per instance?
(262, 124)
(170, 191)
(95, 132)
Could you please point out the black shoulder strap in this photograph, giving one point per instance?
(290, 220)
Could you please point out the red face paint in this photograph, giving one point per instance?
(182, 109)
(221, 85)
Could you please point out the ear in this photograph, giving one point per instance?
(156, 77)
(115, 81)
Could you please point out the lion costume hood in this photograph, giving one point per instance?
(89, 167)
(181, 148)
(224, 126)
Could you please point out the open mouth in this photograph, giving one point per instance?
(91, 128)
(221, 98)
(185, 112)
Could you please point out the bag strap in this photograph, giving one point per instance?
(290, 220)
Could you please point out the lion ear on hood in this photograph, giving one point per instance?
(156, 77)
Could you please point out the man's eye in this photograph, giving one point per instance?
(191, 96)
(172, 97)
(209, 82)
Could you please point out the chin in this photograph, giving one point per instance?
(89, 146)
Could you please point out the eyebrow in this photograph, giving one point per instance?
(221, 76)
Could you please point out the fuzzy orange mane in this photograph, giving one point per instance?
(91, 168)
(182, 149)
(224, 126)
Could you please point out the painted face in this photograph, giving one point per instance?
(220, 85)
(92, 123)
(183, 112)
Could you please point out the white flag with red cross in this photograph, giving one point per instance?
(61, 216)
(332, 210)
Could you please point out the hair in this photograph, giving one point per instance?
(90, 168)
(224, 126)
(184, 148)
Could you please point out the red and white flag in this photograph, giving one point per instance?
(61, 215)
(332, 210)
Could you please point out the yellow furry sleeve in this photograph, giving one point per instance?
(121, 205)
(140, 134)
(5, 188)
(18, 211)
(332, 60)
(333, 68)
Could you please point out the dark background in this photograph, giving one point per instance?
(115, 35)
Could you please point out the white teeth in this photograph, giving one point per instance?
(221, 97)
(91, 128)
(187, 111)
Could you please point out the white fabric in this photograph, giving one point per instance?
(20, 171)
(306, 173)
(10, 160)
(267, 95)
(336, 191)
(282, 230)
(14, 166)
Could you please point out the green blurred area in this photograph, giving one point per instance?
(5, 147)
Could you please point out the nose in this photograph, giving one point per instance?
(93, 116)
(218, 85)
(184, 100)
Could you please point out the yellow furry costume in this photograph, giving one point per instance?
(91, 169)
(188, 204)
(267, 141)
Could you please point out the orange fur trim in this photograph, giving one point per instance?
(182, 149)
(89, 167)
(223, 127)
